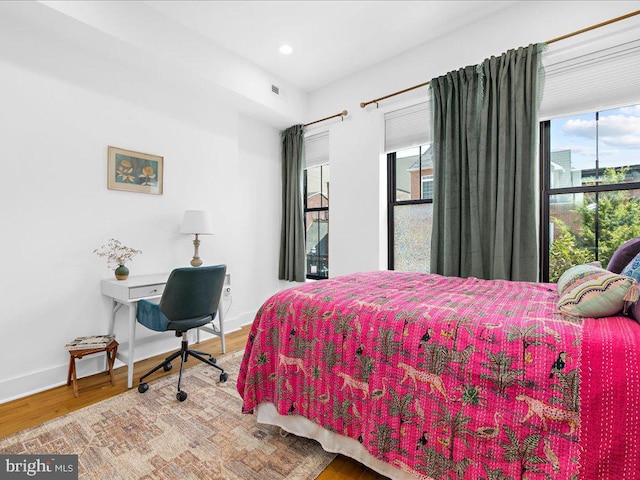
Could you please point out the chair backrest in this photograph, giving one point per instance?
(193, 292)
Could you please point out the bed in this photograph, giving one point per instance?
(432, 377)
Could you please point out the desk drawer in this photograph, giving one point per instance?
(146, 291)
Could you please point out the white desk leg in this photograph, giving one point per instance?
(112, 317)
(221, 321)
(115, 306)
(132, 341)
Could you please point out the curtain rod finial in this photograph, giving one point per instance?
(344, 113)
(362, 104)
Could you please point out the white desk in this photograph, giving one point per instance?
(128, 293)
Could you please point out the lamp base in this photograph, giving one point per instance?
(195, 261)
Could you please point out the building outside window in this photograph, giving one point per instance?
(590, 187)
(410, 208)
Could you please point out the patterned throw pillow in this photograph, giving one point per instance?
(589, 291)
(633, 268)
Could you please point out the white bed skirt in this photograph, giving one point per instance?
(332, 442)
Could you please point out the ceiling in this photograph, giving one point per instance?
(330, 39)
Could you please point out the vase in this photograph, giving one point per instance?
(122, 272)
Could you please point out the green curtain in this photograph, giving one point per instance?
(485, 136)
(292, 244)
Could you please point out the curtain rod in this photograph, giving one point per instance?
(553, 40)
(342, 114)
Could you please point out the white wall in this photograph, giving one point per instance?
(55, 210)
(358, 168)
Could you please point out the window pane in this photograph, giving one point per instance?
(412, 237)
(571, 232)
(412, 166)
(313, 187)
(317, 186)
(572, 227)
(325, 186)
(619, 145)
(618, 214)
(426, 174)
(573, 151)
(404, 162)
(317, 246)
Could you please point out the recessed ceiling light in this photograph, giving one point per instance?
(285, 49)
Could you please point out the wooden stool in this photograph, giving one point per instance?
(110, 350)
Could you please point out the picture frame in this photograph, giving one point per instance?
(131, 171)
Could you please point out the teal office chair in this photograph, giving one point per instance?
(190, 300)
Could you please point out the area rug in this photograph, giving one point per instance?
(153, 436)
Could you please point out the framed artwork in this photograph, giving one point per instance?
(134, 171)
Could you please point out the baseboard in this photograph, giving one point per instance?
(55, 376)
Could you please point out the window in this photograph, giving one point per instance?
(410, 211)
(590, 187)
(407, 141)
(316, 205)
(589, 151)
(427, 186)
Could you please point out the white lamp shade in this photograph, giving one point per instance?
(196, 221)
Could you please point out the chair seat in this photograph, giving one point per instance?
(150, 315)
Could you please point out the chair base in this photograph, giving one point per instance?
(184, 353)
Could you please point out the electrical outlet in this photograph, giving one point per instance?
(226, 289)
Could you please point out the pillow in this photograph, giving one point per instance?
(589, 291)
(633, 268)
(623, 255)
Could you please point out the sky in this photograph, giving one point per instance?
(618, 137)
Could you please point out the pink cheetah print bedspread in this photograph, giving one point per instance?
(450, 378)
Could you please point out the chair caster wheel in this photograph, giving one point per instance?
(224, 377)
(143, 387)
(167, 367)
(213, 359)
(181, 396)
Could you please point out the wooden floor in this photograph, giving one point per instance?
(35, 409)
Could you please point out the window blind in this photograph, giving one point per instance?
(407, 127)
(316, 149)
(594, 73)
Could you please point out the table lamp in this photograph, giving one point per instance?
(196, 222)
